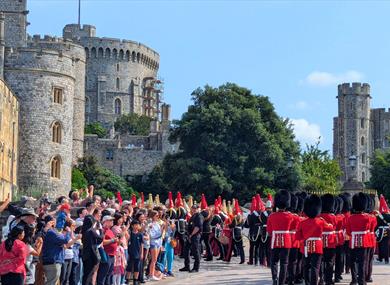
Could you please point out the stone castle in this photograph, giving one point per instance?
(358, 131)
(61, 83)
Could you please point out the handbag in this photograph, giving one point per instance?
(103, 255)
(173, 243)
(223, 239)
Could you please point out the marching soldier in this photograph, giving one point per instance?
(206, 232)
(216, 223)
(253, 223)
(236, 226)
(181, 224)
(339, 259)
(265, 241)
(358, 230)
(278, 227)
(372, 238)
(293, 255)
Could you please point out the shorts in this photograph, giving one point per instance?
(154, 246)
(133, 265)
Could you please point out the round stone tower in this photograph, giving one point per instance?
(353, 131)
(45, 77)
(120, 76)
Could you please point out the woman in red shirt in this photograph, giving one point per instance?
(13, 255)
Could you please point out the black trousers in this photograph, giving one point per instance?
(312, 268)
(265, 252)
(192, 246)
(254, 251)
(327, 265)
(347, 255)
(206, 241)
(292, 265)
(89, 268)
(240, 249)
(358, 265)
(383, 249)
(74, 277)
(279, 255)
(339, 262)
(12, 279)
(369, 260)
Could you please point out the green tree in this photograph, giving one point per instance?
(232, 143)
(95, 128)
(78, 179)
(133, 124)
(104, 180)
(320, 173)
(380, 172)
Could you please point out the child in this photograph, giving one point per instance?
(62, 216)
(119, 265)
(135, 247)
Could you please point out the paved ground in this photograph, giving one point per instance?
(218, 272)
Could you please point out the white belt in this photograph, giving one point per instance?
(384, 227)
(310, 239)
(328, 233)
(276, 233)
(354, 234)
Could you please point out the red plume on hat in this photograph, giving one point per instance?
(119, 198)
(142, 200)
(170, 200)
(383, 208)
(254, 204)
(133, 200)
(219, 201)
(269, 197)
(179, 201)
(216, 207)
(260, 204)
(237, 207)
(203, 203)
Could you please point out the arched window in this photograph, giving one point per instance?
(118, 106)
(138, 57)
(57, 132)
(363, 177)
(117, 67)
(121, 54)
(362, 123)
(93, 52)
(100, 52)
(118, 84)
(114, 53)
(133, 56)
(128, 55)
(362, 141)
(363, 157)
(87, 105)
(87, 52)
(108, 53)
(56, 167)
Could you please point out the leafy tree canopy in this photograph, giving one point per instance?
(96, 128)
(106, 182)
(232, 143)
(133, 124)
(320, 174)
(380, 172)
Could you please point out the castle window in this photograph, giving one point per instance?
(57, 96)
(93, 52)
(115, 53)
(57, 132)
(87, 52)
(362, 123)
(133, 56)
(118, 106)
(121, 54)
(109, 154)
(362, 141)
(138, 57)
(128, 55)
(117, 67)
(118, 83)
(363, 177)
(100, 53)
(56, 167)
(108, 53)
(363, 158)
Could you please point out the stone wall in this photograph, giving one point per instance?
(33, 74)
(15, 12)
(9, 116)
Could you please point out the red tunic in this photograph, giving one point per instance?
(294, 227)
(278, 227)
(310, 233)
(340, 226)
(346, 217)
(358, 229)
(329, 233)
(373, 225)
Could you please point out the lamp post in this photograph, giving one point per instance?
(352, 163)
(352, 185)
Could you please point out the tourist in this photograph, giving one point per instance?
(92, 237)
(13, 256)
(155, 232)
(136, 250)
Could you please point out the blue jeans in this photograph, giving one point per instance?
(169, 255)
(105, 272)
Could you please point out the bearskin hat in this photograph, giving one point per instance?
(347, 202)
(359, 202)
(282, 199)
(339, 204)
(312, 206)
(370, 203)
(293, 203)
(300, 204)
(328, 203)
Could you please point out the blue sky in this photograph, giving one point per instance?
(295, 52)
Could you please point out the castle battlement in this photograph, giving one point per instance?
(355, 88)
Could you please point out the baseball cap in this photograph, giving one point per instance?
(107, 218)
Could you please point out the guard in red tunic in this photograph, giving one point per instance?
(328, 239)
(347, 198)
(372, 240)
(340, 226)
(278, 228)
(295, 244)
(310, 234)
(299, 271)
(358, 230)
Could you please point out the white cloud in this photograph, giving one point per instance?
(321, 78)
(300, 105)
(305, 132)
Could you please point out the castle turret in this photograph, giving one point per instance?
(15, 26)
(352, 137)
